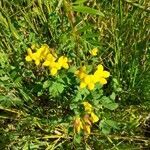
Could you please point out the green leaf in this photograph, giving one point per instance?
(113, 96)
(40, 93)
(104, 127)
(56, 89)
(112, 123)
(88, 10)
(107, 125)
(46, 84)
(119, 89)
(97, 94)
(111, 106)
(4, 78)
(84, 92)
(60, 88)
(115, 81)
(72, 69)
(78, 97)
(73, 106)
(2, 72)
(60, 80)
(107, 103)
(79, 2)
(77, 139)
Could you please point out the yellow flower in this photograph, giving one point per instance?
(94, 51)
(78, 125)
(33, 56)
(49, 59)
(86, 119)
(100, 71)
(87, 107)
(53, 71)
(44, 50)
(36, 57)
(82, 85)
(81, 73)
(100, 75)
(53, 52)
(33, 46)
(63, 62)
(54, 67)
(87, 81)
(29, 56)
(41, 54)
(94, 118)
(87, 128)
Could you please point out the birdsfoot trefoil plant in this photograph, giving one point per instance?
(76, 88)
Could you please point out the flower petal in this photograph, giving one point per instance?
(46, 63)
(106, 74)
(100, 68)
(78, 125)
(28, 58)
(91, 86)
(82, 85)
(29, 51)
(87, 79)
(37, 62)
(102, 81)
(87, 129)
(94, 51)
(65, 65)
(87, 107)
(94, 118)
(53, 71)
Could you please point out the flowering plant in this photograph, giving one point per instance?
(74, 83)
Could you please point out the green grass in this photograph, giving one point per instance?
(118, 28)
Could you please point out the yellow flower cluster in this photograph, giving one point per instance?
(89, 80)
(46, 55)
(94, 51)
(54, 65)
(88, 119)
